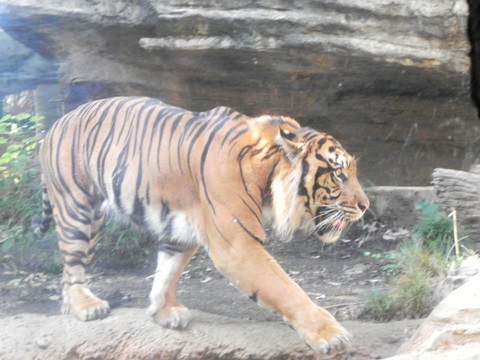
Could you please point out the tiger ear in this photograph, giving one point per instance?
(289, 143)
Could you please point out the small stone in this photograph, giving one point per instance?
(44, 341)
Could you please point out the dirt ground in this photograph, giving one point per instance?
(337, 277)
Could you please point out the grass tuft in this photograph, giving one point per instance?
(415, 267)
(123, 241)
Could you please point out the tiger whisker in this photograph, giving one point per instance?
(336, 216)
(329, 215)
(329, 210)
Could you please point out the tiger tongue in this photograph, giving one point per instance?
(340, 224)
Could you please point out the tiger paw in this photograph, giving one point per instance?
(331, 340)
(84, 304)
(172, 317)
(325, 335)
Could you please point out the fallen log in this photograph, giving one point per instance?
(460, 190)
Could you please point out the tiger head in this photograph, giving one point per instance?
(316, 189)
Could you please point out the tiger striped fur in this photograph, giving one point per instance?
(197, 180)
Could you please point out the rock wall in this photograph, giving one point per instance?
(460, 190)
(394, 206)
(389, 79)
(21, 67)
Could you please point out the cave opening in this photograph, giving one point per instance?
(474, 37)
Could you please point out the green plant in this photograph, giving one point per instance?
(18, 134)
(390, 264)
(47, 255)
(20, 191)
(436, 229)
(411, 294)
(125, 241)
(379, 305)
(412, 268)
(413, 256)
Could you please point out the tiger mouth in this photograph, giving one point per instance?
(332, 232)
(340, 224)
(330, 222)
(334, 227)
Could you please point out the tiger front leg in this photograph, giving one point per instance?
(252, 270)
(164, 308)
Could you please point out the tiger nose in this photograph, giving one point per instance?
(363, 205)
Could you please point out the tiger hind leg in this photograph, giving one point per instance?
(77, 245)
(164, 308)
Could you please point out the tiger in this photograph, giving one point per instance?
(197, 180)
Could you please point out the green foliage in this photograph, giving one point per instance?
(18, 133)
(379, 306)
(412, 288)
(414, 267)
(390, 261)
(413, 256)
(21, 193)
(436, 230)
(412, 294)
(125, 241)
(47, 254)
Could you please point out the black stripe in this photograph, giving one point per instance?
(192, 143)
(75, 262)
(165, 211)
(45, 225)
(251, 210)
(74, 283)
(138, 214)
(245, 150)
(147, 194)
(240, 133)
(138, 208)
(229, 132)
(75, 234)
(173, 129)
(220, 232)
(269, 178)
(272, 151)
(160, 140)
(118, 175)
(302, 189)
(170, 248)
(77, 254)
(321, 158)
(153, 136)
(74, 154)
(254, 296)
(249, 232)
(256, 151)
(189, 122)
(78, 205)
(203, 159)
